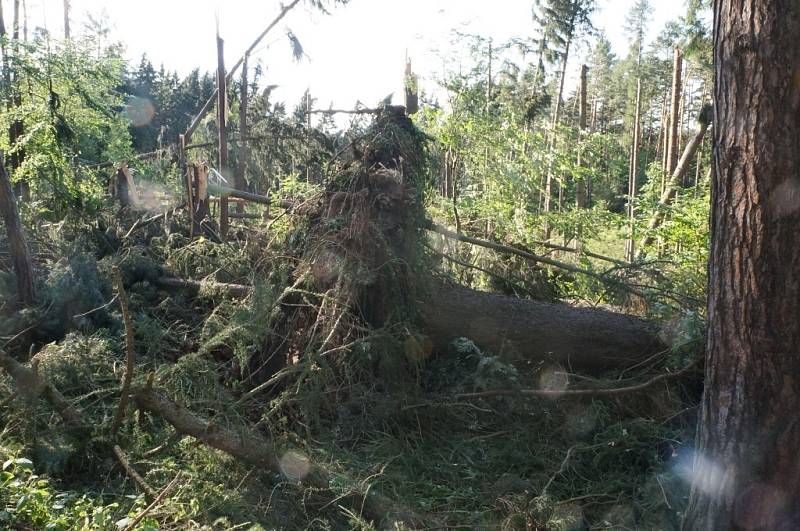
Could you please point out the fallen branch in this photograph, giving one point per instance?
(260, 453)
(234, 290)
(31, 385)
(139, 480)
(156, 502)
(129, 354)
(586, 252)
(171, 440)
(344, 111)
(456, 261)
(570, 393)
(141, 222)
(433, 227)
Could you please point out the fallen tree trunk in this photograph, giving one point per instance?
(258, 452)
(580, 338)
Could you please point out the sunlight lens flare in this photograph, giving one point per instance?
(295, 466)
(698, 470)
(140, 111)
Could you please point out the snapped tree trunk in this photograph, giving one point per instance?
(746, 473)
(676, 180)
(16, 238)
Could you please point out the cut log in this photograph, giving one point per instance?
(578, 338)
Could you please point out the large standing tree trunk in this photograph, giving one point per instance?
(16, 239)
(746, 474)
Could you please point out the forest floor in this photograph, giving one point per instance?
(493, 463)
(375, 432)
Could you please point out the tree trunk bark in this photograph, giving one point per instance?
(66, 19)
(16, 239)
(674, 114)
(244, 131)
(634, 170)
(548, 192)
(580, 183)
(746, 472)
(671, 187)
(222, 122)
(515, 329)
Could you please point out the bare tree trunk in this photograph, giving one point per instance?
(66, 19)
(222, 103)
(516, 329)
(747, 473)
(674, 115)
(16, 239)
(634, 170)
(244, 130)
(581, 185)
(548, 192)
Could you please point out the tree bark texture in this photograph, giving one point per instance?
(16, 239)
(746, 472)
(674, 114)
(578, 338)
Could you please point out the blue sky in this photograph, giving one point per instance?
(356, 53)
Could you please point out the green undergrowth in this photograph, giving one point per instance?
(378, 411)
(500, 463)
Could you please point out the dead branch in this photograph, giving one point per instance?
(433, 227)
(141, 222)
(344, 111)
(129, 354)
(229, 76)
(571, 393)
(171, 440)
(156, 502)
(456, 261)
(261, 453)
(139, 480)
